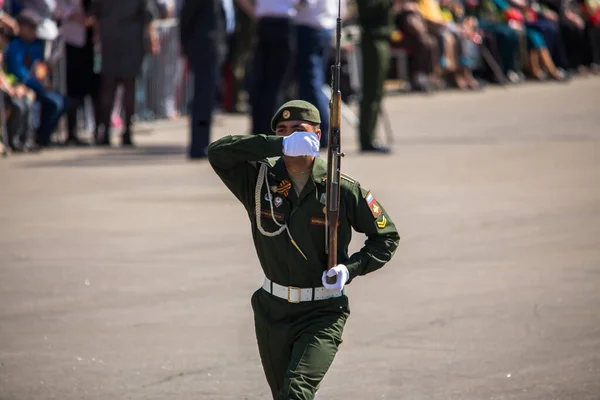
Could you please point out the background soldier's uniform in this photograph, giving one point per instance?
(377, 22)
(297, 342)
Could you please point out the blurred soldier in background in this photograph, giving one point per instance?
(377, 23)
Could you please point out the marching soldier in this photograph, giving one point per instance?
(377, 23)
(299, 317)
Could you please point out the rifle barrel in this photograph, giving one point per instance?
(334, 154)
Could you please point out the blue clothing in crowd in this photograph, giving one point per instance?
(19, 59)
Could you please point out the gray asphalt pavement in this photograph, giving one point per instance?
(127, 273)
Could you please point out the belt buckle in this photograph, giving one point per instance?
(290, 288)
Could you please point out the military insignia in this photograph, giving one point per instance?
(320, 221)
(278, 201)
(286, 114)
(317, 221)
(323, 198)
(273, 189)
(373, 206)
(381, 224)
(268, 196)
(267, 214)
(284, 188)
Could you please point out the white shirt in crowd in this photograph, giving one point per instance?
(73, 32)
(276, 8)
(319, 14)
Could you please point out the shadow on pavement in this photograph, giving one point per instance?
(113, 157)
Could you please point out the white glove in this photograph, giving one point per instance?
(301, 144)
(342, 275)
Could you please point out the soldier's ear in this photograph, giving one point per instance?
(318, 132)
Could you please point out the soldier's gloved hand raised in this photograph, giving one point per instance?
(342, 275)
(301, 144)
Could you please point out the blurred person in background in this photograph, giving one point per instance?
(466, 31)
(7, 22)
(572, 29)
(25, 60)
(203, 29)
(590, 11)
(46, 9)
(315, 28)
(126, 34)
(491, 18)
(18, 102)
(448, 41)
(376, 19)
(420, 45)
(241, 46)
(77, 32)
(546, 22)
(522, 18)
(273, 62)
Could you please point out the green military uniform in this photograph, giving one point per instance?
(298, 340)
(377, 22)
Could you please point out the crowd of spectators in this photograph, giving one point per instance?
(448, 43)
(502, 40)
(102, 44)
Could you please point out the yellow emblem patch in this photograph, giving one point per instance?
(286, 114)
(381, 224)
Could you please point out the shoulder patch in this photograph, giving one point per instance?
(372, 204)
(382, 224)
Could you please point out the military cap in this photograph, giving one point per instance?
(296, 110)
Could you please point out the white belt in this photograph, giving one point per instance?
(296, 295)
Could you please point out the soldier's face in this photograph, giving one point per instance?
(286, 128)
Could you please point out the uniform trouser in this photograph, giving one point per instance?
(273, 62)
(297, 342)
(313, 49)
(376, 62)
(206, 83)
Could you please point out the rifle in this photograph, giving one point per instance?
(334, 155)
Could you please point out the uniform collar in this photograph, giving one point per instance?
(319, 171)
(318, 174)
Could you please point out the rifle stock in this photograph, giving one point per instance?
(334, 155)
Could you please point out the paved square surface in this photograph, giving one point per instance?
(126, 274)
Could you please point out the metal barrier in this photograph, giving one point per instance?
(164, 87)
(5, 143)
